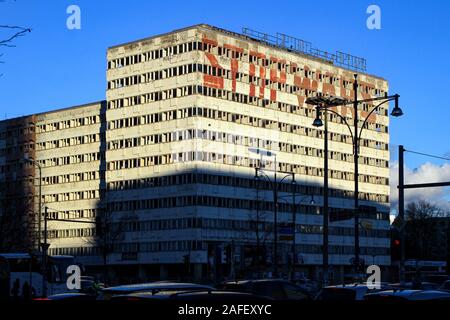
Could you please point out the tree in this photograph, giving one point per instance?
(12, 32)
(425, 234)
(260, 230)
(108, 233)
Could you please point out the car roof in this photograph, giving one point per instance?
(15, 255)
(354, 286)
(254, 281)
(154, 286)
(67, 294)
(413, 294)
(187, 293)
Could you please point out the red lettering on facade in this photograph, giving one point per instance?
(212, 81)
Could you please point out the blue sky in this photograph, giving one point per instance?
(54, 67)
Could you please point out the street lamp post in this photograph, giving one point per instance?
(294, 223)
(325, 103)
(45, 247)
(260, 172)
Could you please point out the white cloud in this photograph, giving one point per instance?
(425, 173)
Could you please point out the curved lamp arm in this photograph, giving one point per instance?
(342, 118)
(370, 113)
(288, 175)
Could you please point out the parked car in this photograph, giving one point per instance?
(436, 278)
(415, 286)
(406, 295)
(347, 292)
(198, 295)
(309, 286)
(273, 288)
(72, 296)
(153, 287)
(445, 286)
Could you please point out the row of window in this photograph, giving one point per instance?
(153, 55)
(71, 196)
(227, 74)
(17, 148)
(73, 177)
(231, 96)
(226, 159)
(237, 182)
(213, 224)
(73, 214)
(159, 246)
(190, 134)
(187, 245)
(68, 142)
(221, 202)
(241, 55)
(221, 115)
(11, 131)
(66, 124)
(66, 160)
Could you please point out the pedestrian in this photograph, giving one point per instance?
(15, 289)
(26, 291)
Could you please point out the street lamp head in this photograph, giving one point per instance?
(317, 122)
(397, 111)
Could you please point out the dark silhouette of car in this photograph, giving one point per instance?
(72, 296)
(153, 287)
(197, 295)
(273, 288)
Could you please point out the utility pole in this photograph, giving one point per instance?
(401, 211)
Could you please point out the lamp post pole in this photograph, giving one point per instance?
(325, 206)
(274, 184)
(45, 247)
(356, 160)
(39, 202)
(325, 103)
(401, 211)
(275, 221)
(294, 221)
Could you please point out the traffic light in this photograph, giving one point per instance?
(395, 246)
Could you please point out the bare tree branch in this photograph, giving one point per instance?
(21, 32)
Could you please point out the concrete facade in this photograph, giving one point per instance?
(166, 162)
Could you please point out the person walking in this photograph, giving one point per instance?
(15, 289)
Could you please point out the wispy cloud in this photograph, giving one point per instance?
(427, 172)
